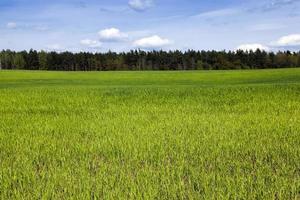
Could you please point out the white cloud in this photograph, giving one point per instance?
(41, 28)
(11, 25)
(288, 41)
(112, 35)
(91, 43)
(218, 13)
(27, 26)
(266, 27)
(54, 47)
(151, 42)
(140, 5)
(253, 47)
(277, 4)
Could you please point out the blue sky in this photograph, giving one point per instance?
(121, 25)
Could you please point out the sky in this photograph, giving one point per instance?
(122, 25)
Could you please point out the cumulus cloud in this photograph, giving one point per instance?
(11, 25)
(292, 40)
(140, 5)
(151, 42)
(91, 43)
(112, 35)
(253, 47)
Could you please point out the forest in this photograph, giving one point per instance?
(147, 60)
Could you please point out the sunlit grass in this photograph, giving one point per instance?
(147, 135)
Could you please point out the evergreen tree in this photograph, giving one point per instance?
(33, 60)
(43, 62)
(19, 61)
(148, 60)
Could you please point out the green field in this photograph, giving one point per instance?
(150, 135)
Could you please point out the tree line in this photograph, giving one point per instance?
(148, 60)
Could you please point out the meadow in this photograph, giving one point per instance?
(150, 135)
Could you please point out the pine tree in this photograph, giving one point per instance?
(19, 61)
(43, 62)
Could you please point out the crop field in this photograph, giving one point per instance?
(150, 135)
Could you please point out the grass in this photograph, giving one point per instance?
(150, 135)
